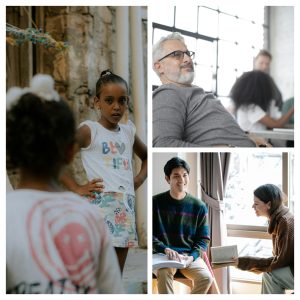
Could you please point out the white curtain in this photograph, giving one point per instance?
(214, 173)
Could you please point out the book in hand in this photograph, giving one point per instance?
(224, 254)
(160, 261)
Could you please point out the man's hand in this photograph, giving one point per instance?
(174, 255)
(188, 259)
(259, 141)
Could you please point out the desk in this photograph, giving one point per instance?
(276, 134)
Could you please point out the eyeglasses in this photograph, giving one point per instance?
(178, 54)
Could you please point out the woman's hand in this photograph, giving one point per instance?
(235, 261)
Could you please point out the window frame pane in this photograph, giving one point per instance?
(254, 22)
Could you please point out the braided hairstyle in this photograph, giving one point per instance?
(107, 77)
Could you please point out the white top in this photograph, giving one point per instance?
(248, 117)
(109, 156)
(57, 243)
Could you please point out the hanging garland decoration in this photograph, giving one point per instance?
(16, 36)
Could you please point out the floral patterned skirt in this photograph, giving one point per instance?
(118, 211)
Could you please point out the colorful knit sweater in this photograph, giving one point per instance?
(180, 224)
(281, 228)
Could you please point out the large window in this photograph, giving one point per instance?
(225, 39)
(247, 172)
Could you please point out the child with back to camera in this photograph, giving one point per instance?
(106, 152)
(55, 241)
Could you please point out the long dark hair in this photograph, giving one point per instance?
(270, 192)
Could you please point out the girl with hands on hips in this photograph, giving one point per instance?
(106, 149)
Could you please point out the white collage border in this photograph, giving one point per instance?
(149, 4)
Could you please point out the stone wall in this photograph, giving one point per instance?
(89, 32)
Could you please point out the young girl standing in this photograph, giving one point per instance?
(55, 241)
(107, 147)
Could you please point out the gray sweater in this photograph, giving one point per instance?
(188, 117)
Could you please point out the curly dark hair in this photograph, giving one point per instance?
(38, 133)
(107, 77)
(254, 87)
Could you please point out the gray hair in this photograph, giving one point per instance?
(157, 49)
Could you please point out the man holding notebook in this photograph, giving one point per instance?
(180, 230)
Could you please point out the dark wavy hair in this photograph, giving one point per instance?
(174, 163)
(270, 192)
(107, 77)
(254, 87)
(38, 133)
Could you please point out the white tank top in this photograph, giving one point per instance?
(109, 156)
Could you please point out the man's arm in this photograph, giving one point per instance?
(170, 120)
(169, 116)
(158, 246)
(202, 235)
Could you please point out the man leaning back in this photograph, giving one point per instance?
(183, 114)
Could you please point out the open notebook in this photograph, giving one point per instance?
(160, 261)
(223, 254)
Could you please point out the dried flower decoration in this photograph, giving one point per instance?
(16, 36)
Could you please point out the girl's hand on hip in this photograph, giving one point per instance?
(95, 185)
